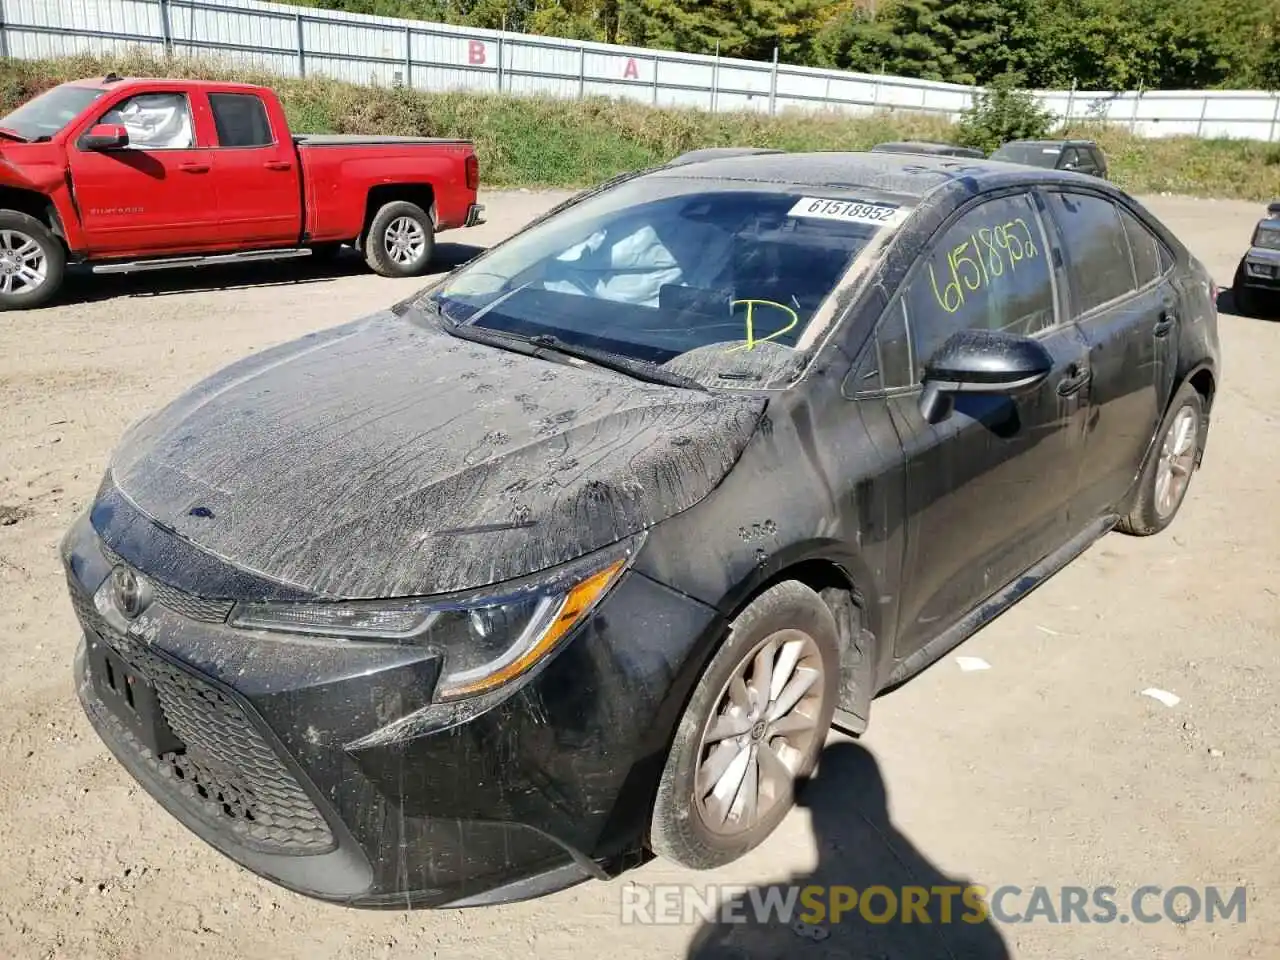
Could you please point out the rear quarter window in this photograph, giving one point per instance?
(1148, 264)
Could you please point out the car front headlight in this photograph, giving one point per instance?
(487, 639)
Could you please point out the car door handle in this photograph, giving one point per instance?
(1074, 381)
(193, 167)
(1165, 324)
(278, 165)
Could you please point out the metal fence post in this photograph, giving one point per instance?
(582, 71)
(166, 29)
(1137, 102)
(1275, 115)
(655, 81)
(4, 38)
(1071, 103)
(501, 48)
(408, 57)
(1204, 109)
(715, 80)
(773, 83)
(302, 54)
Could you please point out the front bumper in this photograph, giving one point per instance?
(293, 757)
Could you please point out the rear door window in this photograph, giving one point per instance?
(1095, 249)
(241, 120)
(988, 271)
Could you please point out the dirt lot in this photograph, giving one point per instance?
(1049, 768)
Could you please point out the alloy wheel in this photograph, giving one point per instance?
(1177, 461)
(764, 726)
(405, 240)
(23, 264)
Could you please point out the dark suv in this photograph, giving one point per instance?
(1080, 156)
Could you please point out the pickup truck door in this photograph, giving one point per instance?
(256, 175)
(151, 196)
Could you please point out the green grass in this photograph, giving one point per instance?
(543, 142)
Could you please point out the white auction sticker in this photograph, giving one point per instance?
(848, 211)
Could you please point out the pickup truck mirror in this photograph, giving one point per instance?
(105, 136)
(981, 361)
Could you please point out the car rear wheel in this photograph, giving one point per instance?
(400, 241)
(32, 261)
(755, 724)
(1167, 476)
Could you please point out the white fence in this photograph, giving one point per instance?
(299, 41)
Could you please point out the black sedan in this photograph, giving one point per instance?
(575, 557)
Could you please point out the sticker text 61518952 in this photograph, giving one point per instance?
(848, 211)
(986, 255)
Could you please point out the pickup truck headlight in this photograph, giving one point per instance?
(487, 639)
(1267, 237)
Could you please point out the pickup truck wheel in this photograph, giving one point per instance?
(400, 241)
(32, 261)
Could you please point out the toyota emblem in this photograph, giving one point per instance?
(130, 591)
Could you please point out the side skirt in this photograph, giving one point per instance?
(999, 602)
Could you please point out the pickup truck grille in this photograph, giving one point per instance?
(225, 774)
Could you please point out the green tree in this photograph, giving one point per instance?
(741, 28)
(1002, 112)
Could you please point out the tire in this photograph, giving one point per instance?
(26, 245)
(1151, 510)
(682, 829)
(412, 222)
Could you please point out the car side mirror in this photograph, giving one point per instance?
(981, 361)
(105, 136)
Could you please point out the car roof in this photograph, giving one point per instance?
(910, 177)
(1050, 143)
(111, 82)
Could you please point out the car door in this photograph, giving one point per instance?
(255, 174)
(989, 487)
(151, 196)
(1121, 294)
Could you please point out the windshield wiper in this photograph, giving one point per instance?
(640, 369)
(546, 347)
(13, 135)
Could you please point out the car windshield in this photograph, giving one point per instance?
(1034, 154)
(727, 283)
(43, 116)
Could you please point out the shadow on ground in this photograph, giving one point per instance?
(859, 848)
(83, 286)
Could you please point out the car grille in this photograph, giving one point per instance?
(179, 601)
(226, 773)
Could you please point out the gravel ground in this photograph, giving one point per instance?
(1050, 768)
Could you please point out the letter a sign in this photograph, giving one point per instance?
(632, 72)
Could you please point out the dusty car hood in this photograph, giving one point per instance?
(387, 458)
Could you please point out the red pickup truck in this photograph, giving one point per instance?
(133, 174)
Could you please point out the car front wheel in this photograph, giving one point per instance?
(32, 261)
(754, 726)
(401, 240)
